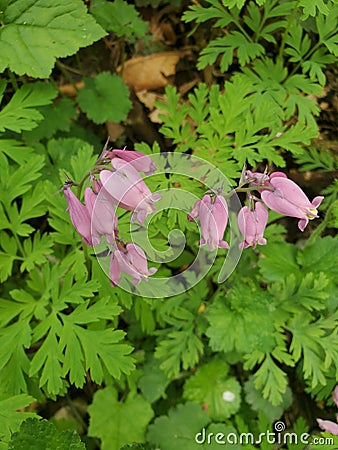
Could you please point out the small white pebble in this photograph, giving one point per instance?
(228, 396)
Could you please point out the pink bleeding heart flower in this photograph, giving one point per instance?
(140, 161)
(129, 190)
(327, 425)
(79, 215)
(252, 225)
(103, 215)
(213, 214)
(134, 262)
(287, 198)
(194, 213)
(114, 271)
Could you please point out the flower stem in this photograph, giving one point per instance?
(285, 34)
(321, 227)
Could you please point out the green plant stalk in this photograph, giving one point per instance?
(291, 19)
(307, 56)
(66, 74)
(79, 63)
(261, 26)
(20, 247)
(321, 227)
(239, 26)
(13, 80)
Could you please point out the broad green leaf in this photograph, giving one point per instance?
(57, 117)
(258, 403)
(234, 319)
(210, 386)
(120, 17)
(105, 98)
(145, 446)
(278, 261)
(37, 434)
(321, 256)
(21, 112)
(153, 382)
(177, 431)
(118, 423)
(36, 32)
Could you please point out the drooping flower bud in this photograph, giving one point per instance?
(140, 161)
(134, 262)
(79, 215)
(252, 225)
(287, 198)
(114, 271)
(103, 215)
(129, 190)
(328, 426)
(213, 214)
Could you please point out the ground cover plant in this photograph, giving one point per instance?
(175, 285)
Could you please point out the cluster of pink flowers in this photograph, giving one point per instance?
(277, 192)
(119, 184)
(116, 181)
(327, 425)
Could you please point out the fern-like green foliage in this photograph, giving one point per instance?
(244, 123)
(21, 112)
(262, 22)
(52, 308)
